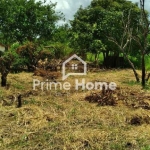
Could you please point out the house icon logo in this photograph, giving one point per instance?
(74, 65)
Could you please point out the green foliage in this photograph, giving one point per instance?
(60, 45)
(17, 60)
(18, 86)
(97, 46)
(136, 60)
(148, 44)
(22, 20)
(62, 34)
(131, 83)
(91, 57)
(146, 147)
(93, 25)
(59, 50)
(147, 62)
(24, 56)
(30, 53)
(6, 61)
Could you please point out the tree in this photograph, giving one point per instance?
(124, 40)
(22, 20)
(21, 56)
(6, 61)
(62, 34)
(141, 38)
(60, 44)
(99, 20)
(81, 32)
(29, 54)
(96, 47)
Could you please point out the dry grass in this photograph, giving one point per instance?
(65, 121)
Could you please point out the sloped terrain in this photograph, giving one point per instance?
(75, 120)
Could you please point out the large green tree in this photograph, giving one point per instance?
(6, 60)
(22, 20)
(138, 35)
(101, 19)
(60, 44)
(142, 38)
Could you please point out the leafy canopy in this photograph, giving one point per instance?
(22, 20)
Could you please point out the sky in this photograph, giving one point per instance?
(70, 7)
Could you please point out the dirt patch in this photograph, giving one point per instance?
(138, 120)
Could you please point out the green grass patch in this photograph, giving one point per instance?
(18, 86)
(131, 83)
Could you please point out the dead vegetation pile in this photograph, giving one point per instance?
(137, 120)
(46, 73)
(132, 99)
(104, 97)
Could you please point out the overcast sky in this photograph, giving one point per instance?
(69, 7)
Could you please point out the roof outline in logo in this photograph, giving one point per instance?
(64, 75)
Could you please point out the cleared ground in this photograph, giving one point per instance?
(64, 120)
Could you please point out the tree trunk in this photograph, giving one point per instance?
(83, 54)
(143, 70)
(30, 68)
(133, 68)
(105, 55)
(3, 80)
(148, 76)
(104, 59)
(6, 47)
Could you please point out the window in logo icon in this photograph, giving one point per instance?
(74, 66)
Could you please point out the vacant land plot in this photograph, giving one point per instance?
(75, 120)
